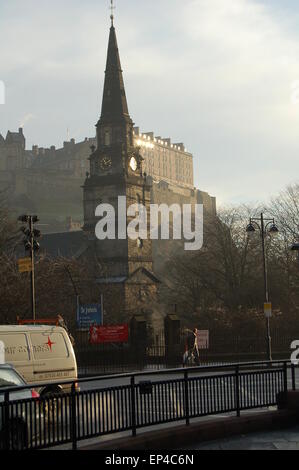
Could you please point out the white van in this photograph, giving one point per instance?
(40, 354)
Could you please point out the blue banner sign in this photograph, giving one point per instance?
(89, 315)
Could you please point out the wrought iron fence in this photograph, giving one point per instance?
(131, 403)
(156, 354)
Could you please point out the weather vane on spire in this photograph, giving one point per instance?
(112, 15)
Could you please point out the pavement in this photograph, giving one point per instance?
(287, 439)
(126, 436)
(212, 434)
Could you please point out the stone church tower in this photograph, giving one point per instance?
(126, 270)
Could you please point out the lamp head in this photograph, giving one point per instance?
(250, 229)
(273, 230)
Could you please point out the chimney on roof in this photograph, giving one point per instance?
(150, 135)
(182, 146)
(35, 149)
(21, 130)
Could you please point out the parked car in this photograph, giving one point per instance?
(40, 354)
(21, 415)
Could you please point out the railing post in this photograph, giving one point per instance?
(293, 376)
(237, 391)
(133, 406)
(285, 377)
(74, 417)
(187, 410)
(6, 421)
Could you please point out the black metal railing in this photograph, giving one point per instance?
(129, 403)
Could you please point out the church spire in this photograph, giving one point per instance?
(114, 105)
(112, 15)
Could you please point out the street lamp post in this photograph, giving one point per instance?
(31, 245)
(265, 226)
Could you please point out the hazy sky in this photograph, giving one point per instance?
(219, 75)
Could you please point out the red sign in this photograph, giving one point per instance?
(109, 334)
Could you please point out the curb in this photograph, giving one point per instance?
(179, 436)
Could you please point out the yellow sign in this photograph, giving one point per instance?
(24, 265)
(268, 309)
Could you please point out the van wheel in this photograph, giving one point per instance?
(50, 406)
(17, 435)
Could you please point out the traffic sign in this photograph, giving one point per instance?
(89, 315)
(24, 265)
(268, 309)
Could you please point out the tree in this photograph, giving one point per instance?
(9, 235)
(224, 271)
(284, 266)
(223, 284)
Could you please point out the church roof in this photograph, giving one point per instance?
(65, 245)
(141, 272)
(136, 276)
(111, 280)
(114, 105)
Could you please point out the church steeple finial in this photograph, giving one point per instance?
(114, 105)
(112, 7)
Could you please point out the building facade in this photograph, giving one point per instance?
(164, 160)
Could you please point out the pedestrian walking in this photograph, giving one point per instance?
(196, 346)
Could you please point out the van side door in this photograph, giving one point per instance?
(53, 361)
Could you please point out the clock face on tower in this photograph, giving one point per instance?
(105, 163)
(133, 164)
